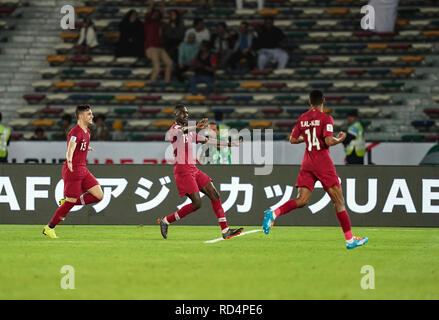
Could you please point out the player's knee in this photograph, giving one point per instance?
(196, 204)
(301, 202)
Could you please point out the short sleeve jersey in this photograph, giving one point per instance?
(82, 140)
(314, 125)
(183, 150)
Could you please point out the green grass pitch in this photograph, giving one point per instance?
(134, 262)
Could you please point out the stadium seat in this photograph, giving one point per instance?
(412, 138)
(80, 60)
(432, 112)
(49, 72)
(89, 85)
(163, 124)
(28, 112)
(33, 98)
(102, 60)
(141, 73)
(263, 124)
(125, 98)
(195, 98)
(125, 112)
(242, 99)
(137, 125)
(56, 59)
(273, 111)
(111, 85)
(56, 98)
(64, 85)
(149, 99)
(43, 123)
(52, 112)
(19, 124)
(134, 85)
(423, 125)
(368, 112)
(149, 111)
(246, 111)
(41, 85)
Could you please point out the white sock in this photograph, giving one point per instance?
(274, 215)
(225, 230)
(350, 240)
(165, 221)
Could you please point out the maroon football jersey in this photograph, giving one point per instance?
(183, 150)
(82, 140)
(314, 126)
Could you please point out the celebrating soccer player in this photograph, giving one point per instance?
(80, 186)
(315, 128)
(190, 180)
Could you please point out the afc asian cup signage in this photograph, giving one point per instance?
(136, 193)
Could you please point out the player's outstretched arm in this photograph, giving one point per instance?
(332, 141)
(69, 154)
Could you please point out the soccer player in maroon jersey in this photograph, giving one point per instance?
(190, 180)
(316, 129)
(80, 186)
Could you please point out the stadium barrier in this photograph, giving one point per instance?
(282, 152)
(139, 194)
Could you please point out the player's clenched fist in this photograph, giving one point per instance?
(202, 124)
(341, 136)
(69, 165)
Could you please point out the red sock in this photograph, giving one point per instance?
(345, 223)
(180, 214)
(86, 198)
(60, 213)
(219, 212)
(286, 207)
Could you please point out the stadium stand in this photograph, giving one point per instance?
(389, 77)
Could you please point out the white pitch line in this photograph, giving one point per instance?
(220, 239)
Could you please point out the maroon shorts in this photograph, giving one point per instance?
(77, 182)
(191, 182)
(308, 178)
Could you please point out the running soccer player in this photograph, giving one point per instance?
(190, 180)
(315, 128)
(80, 186)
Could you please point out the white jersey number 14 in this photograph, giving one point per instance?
(312, 139)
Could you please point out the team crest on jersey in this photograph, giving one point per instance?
(329, 128)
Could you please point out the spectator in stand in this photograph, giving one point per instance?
(100, 131)
(66, 126)
(173, 34)
(153, 43)
(118, 134)
(200, 30)
(204, 66)
(243, 48)
(240, 4)
(132, 35)
(39, 135)
(269, 43)
(206, 4)
(386, 12)
(222, 43)
(5, 139)
(87, 37)
(186, 53)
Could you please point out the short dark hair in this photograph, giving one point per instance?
(81, 108)
(353, 113)
(179, 106)
(197, 21)
(67, 117)
(316, 97)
